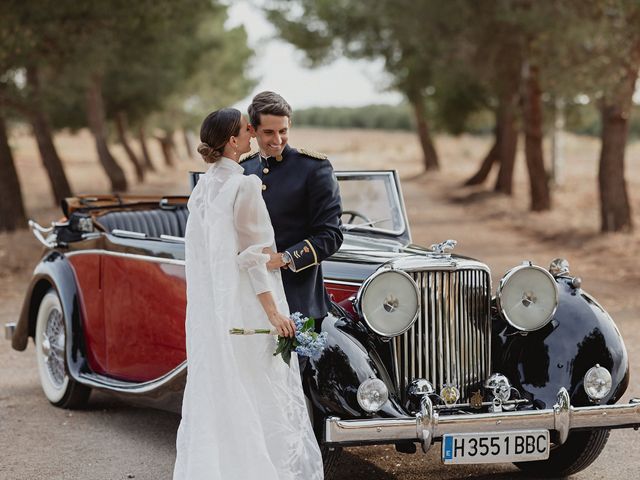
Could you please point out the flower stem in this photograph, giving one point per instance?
(249, 331)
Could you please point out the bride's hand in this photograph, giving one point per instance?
(284, 325)
(275, 259)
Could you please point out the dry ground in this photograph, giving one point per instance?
(112, 440)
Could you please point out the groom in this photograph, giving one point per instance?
(303, 200)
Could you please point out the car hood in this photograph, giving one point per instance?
(358, 258)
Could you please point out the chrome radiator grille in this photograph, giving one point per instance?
(450, 341)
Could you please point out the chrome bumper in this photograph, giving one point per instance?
(428, 426)
(9, 328)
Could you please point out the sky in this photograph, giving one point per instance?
(278, 66)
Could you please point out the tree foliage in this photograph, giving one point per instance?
(68, 64)
(508, 56)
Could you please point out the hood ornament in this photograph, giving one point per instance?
(441, 248)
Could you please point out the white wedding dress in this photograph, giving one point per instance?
(244, 415)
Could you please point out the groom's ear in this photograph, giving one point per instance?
(252, 131)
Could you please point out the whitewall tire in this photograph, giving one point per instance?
(50, 341)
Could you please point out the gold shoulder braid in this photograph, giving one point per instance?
(247, 156)
(312, 154)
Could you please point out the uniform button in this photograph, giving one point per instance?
(265, 170)
(278, 158)
(264, 187)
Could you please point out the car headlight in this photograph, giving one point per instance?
(597, 382)
(389, 302)
(372, 394)
(527, 297)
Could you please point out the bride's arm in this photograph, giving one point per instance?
(283, 324)
(253, 227)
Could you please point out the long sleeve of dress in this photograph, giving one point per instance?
(255, 233)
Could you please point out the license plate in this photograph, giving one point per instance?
(525, 445)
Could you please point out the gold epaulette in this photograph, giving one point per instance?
(312, 154)
(247, 156)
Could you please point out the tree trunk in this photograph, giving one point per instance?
(95, 115)
(492, 157)
(615, 210)
(557, 143)
(12, 212)
(187, 144)
(532, 123)
(148, 164)
(44, 139)
(121, 122)
(166, 143)
(430, 157)
(508, 144)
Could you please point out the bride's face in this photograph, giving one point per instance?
(244, 136)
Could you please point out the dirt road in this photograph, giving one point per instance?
(111, 440)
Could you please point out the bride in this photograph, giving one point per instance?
(243, 415)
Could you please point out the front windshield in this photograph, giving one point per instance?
(370, 201)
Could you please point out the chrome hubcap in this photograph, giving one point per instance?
(52, 343)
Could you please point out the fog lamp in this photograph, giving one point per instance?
(597, 382)
(450, 395)
(372, 394)
(499, 386)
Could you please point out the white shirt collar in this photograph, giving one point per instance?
(228, 164)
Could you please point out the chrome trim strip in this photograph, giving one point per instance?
(426, 263)
(429, 425)
(342, 282)
(9, 329)
(432, 325)
(128, 233)
(133, 256)
(404, 208)
(440, 349)
(143, 388)
(171, 238)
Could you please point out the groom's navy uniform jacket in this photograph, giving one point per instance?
(303, 200)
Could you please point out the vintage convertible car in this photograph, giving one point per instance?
(419, 351)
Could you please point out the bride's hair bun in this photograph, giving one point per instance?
(216, 130)
(209, 155)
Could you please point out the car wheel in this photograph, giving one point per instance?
(330, 455)
(577, 453)
(50, 339)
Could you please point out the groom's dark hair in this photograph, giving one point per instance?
(267, 103)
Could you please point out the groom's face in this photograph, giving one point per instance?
(272, 134)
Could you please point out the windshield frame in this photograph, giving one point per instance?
(402, 233)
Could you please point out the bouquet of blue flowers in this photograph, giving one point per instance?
(306, 342)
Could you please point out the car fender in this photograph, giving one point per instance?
(580, 335)
(53, 271)
(331, 380)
